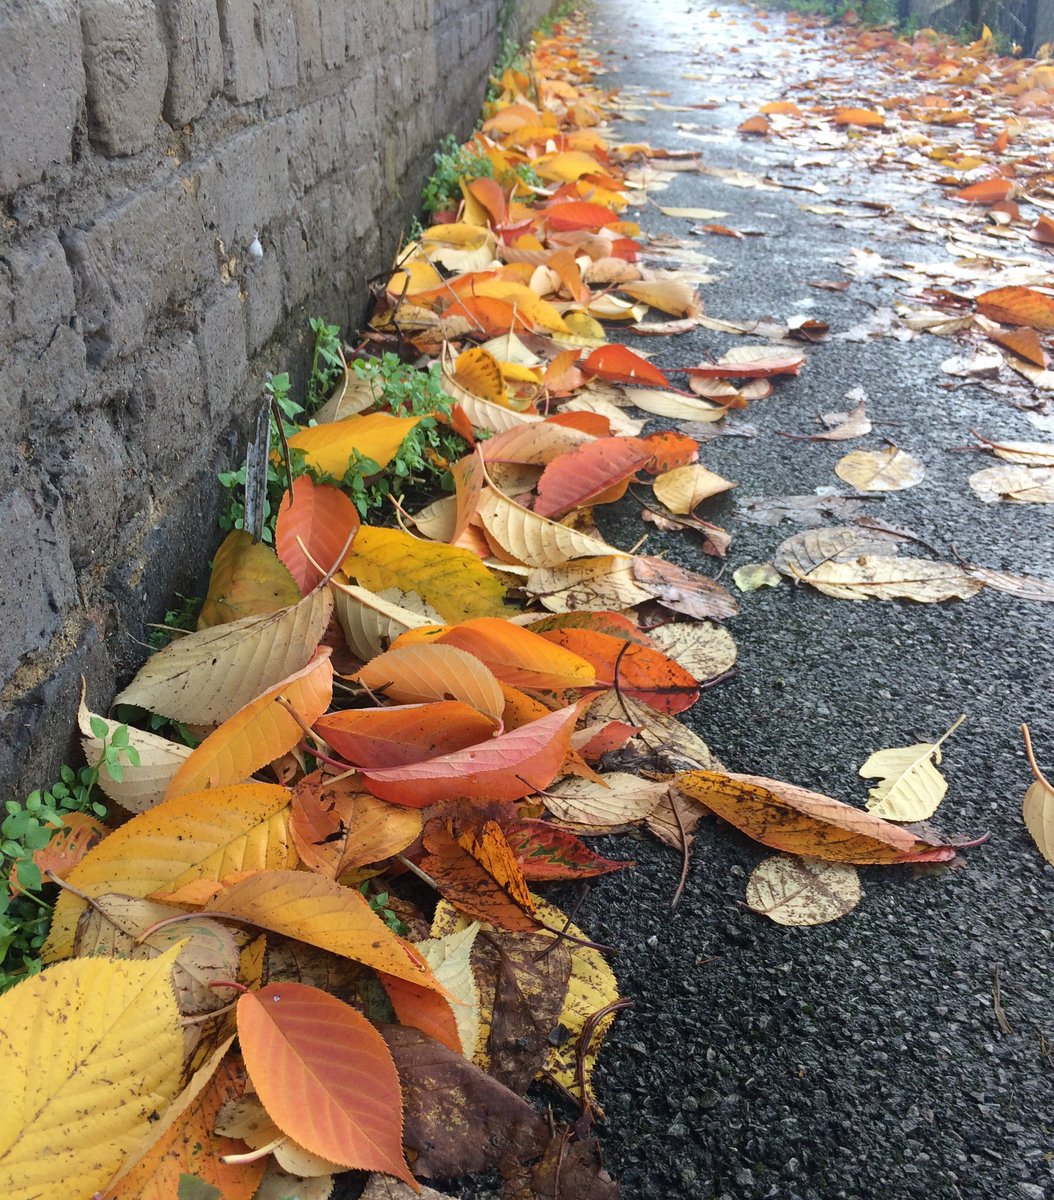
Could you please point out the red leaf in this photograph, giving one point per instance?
(618, 364)
(325, 1076)
(544, 851)
(405, 733)
(320, 516)
(587, 473)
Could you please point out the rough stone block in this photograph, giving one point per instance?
(244, 60)
(279, 40)
(195, 57)
(127, 72)
(264, 305)
(331, 23)
(167, 405)
(221, 345)
(135, 257)
(244, 186)
(309, 38)
(316, 143)
(41, 86)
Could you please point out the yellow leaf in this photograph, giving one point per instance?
(889, 470)
(92, 1052)
(322, 913)
(208, 676)
(203, 835)
(669, 295)
(248, 579)
(533, 540)
(376, 436)
(260, 732)
(684, 487)
(454, 582)
(911, 787)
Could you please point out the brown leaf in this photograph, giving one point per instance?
(681, 590)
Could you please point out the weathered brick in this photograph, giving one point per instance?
(195, 58)
(135, 257)
(279, 40)
(244, 186)
(127, 71)
(316, 143)
(244, 60)
(308, 38)
(41, 88)
(264, 305)
(221, 346)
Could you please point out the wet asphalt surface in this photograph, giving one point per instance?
(862, 1058)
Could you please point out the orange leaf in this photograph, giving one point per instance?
(424, 1009)
(562, 374)
(866, 117)
(618, 364)
(783, 108)
(336, 826)
(642, 671)
(506, 768)
(1018, 306)
(258, 733)
(325, 1076)
(480, 875)
(1024, 343)
(406, 733)
(69, 843)
(578, 214)
(587, 473)
(757, 125)
(488, 192)
(488, 316)
(320, 516)
(1043, 230)
(320, 912)
(801, 822)
(417, 674)
(587, 422)
(517, 656)
(988, 191)
(669, 450)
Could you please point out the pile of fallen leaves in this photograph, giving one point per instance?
(315, 944)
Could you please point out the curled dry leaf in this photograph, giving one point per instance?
(532, 539)
(673, 405)
(372, 621)
(1038, 807)
(1027, 454)
(142, 786)
(1016, 484)
(802, 891)
(621, 799)
(889, 470)
(684, 487)
(247, 1119)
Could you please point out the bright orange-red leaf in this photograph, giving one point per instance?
(325, 1076)
(406, 733)
(868, 118)
(488, 316)
(587, 422)
(488, 192)
(988, 191)
(587, 474)
(618, 364)
(578, 214)
(506, 768)
(1043, 230)
(517, 656)
(321, 517)
(1024, 343)
(1018, 306)
(758, 125)
(669, 450)
(544, 851)
(424, 1009)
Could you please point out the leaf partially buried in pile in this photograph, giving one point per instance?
(704, 648)
(371, 621)
(889, 470)
(406, 733)
(518, 656)
(751, 362)
(852, 563)
(911, 787)
(621, 799)
(248, 579)
(140, 787)
(802, 891)
(450, 957)
(802, 822)
(597, 472)
(206, 677)
(508, 767)
(683, 591)
(453, 581)
(588, 583)
(478, 873)
(418, 674)
(1038, 807)
(324, 1075)
(246, 1119)
(457, 1119)
(314, 526)
(77, 1032)
(532, 539)
(545, 851)
(200, 836)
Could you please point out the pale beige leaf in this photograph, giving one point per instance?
(877, 577)
(802, 891)
(207, 676)
(673, 744)
(596, 400)
(1038, 807)
(889, 470)
(911, 787)
(704, 648)
(693, 214)
(1027, 454)
(484, 414)
(450, 958)
(594, 584)
(384, 1187)
(1022, 485)
(673, 405)
(752, 576)
(247, 1119)
(280, 1185)
(437, 520)
(625, 800)
(668, 295)
(371, 621)
(420, 674)
(532, 540)
(684, 487)
(142, 786)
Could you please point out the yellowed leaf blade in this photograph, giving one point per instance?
(207, 676)
(329, 448)
(203, 835)
(452, 581)
(248, 579)
(588, 583)
(802, 891)
(674, 406)
(889, 470)
(911, 787)
(142, 786)
(532, 540)
(684, 487)
(1018, 484)
(92, 1052)
(371, 621)
(450, 958)
(419, 674)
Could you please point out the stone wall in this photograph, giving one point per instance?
(144, 145)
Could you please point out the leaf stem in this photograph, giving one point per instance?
(1040, 777)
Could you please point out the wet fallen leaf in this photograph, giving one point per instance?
(753, 576)
(1016, 484)
(911, 787)
(1038, 807)
(802, 891)
(889, 470)
(685, 487)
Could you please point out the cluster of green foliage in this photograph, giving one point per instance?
(454, 163)
(25, 904)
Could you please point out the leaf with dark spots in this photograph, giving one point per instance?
(544, 851)
(457, 1118)
(681, 590)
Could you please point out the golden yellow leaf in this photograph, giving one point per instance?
(668, 295)
(418, 674)
(92, 1052)
(889, 470)
(802, 891)
(208, 676)
(376, 436)
(200, 836)
(248, 579)
(452, 581)
(260, 732)
(684, 487)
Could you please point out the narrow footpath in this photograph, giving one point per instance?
(905, 1050)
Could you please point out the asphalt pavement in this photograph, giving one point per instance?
(864, 1058)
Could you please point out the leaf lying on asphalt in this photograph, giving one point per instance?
(802, 891)
(1017, 484)
(685, 487)
(889, 470)
(911, 787)
(1038, 807)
